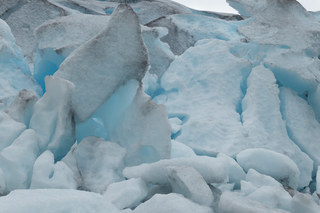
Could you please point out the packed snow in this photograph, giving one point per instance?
(150, 106)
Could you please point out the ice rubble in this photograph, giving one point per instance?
(243, 93)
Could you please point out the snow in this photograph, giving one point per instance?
(171, 203)
(55, 201)
(105, 62)
(211, 169)
(271, 163)
(188, 182)
(126, 194)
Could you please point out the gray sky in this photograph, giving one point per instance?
(222, 6)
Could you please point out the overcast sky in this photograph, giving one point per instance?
(222, 6)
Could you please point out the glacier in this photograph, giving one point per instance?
(151, 106)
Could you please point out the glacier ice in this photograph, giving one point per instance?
(147, 99)
(114, 59)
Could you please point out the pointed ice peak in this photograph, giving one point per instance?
(98, 67)
(279, 22)
(251, 7)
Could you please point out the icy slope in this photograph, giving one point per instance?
(151, 106)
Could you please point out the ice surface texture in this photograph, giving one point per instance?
(151, 106)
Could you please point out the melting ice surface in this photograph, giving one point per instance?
(150, 106)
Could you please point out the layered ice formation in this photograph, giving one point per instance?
(150, 106)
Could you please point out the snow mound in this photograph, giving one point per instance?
(211, 169)
(270, 163)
